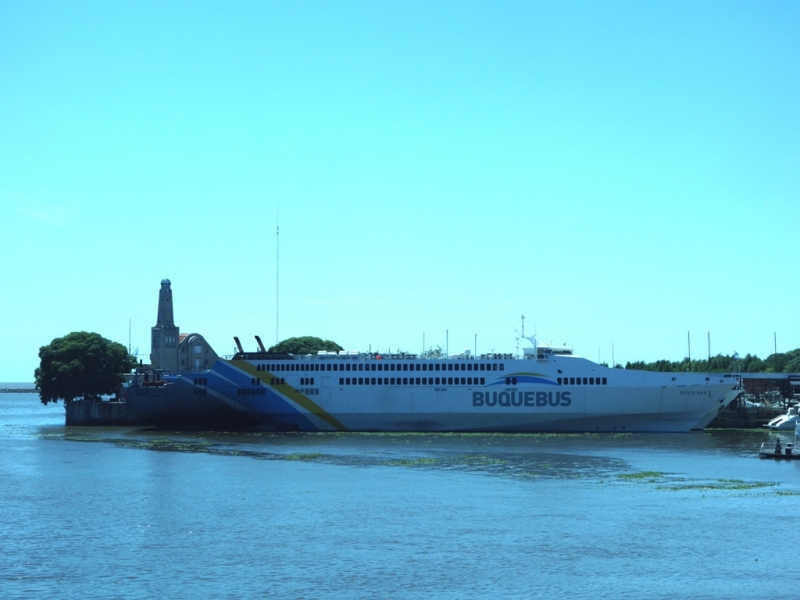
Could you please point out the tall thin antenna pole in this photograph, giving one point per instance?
(423, 343)
(277, 269)
(689, 342)
(476, 344)
(447, 342)
(129, 335)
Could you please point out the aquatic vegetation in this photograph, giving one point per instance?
(721, 484)
(416, 462)
(641, 475)
(301, 456)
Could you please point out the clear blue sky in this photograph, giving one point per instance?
(620, 172)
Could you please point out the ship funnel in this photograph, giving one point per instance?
(238, 344)
(260, 345)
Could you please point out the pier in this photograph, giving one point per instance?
(100, 413)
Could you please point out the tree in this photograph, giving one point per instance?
(432, 353)
(305, 345)
(81, 365)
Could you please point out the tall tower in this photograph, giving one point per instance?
(164, 344)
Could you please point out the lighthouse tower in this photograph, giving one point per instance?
(165, 337)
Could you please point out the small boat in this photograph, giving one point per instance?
(786, 421)
(778, 452)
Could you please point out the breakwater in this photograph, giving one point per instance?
(736, 417)
(99, 413)
(18, 391)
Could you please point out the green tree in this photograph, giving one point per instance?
(81, 365)
(305, 345)
(433, 353)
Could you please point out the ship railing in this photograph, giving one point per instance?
(363, 356)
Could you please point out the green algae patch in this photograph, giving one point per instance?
(721, 484)
(641, 475)
(302, 456)
(478, 460)
(416, 462)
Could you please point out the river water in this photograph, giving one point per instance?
(132, 513)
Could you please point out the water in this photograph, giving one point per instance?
(130, 513)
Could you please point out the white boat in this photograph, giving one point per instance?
(547, 389)
(785, 421)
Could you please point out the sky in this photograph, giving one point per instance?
(624, 174)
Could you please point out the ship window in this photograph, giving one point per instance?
(391, 381)
(572, 381)
(463, 381)
(329, 367)
(559, 380)
(483, 381)
(347, 367)
(494, 367)
(341, 380)
(374, 366)
(436, 367)
(449, 366)
(360, 367)
(585, 381)
(502, 366)
(405, 366)
(380, 367)
(605, 381)
(513, 381)
(436, 382)
(372, 381)
(417, 367)
(380, 380)
(405, 380)
(482, 367)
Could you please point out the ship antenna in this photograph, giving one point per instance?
(277, 269)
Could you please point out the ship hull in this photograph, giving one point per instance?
(522, 396)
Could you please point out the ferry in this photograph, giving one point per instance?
(545, 389)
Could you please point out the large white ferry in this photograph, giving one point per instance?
(546, 389)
